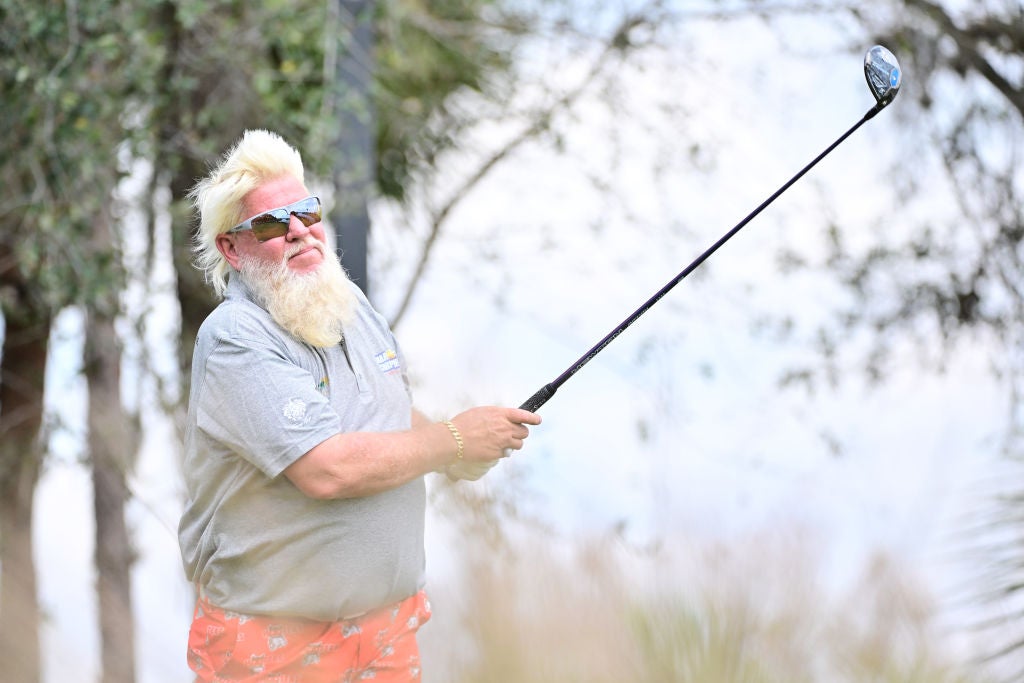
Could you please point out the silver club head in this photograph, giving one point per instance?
(883, 74)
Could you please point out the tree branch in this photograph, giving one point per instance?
(968, 43)
(541, 122)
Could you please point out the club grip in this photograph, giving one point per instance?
(538, 399)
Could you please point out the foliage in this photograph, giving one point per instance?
(63, 122)
(231, 65)
(538, 609)
(944, 277)
(956, 275)
(427, 52)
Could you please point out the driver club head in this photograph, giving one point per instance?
(883, 74)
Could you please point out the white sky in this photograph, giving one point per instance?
(727, 453)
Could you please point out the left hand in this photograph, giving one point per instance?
(470, 471)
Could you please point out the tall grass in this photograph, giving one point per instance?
(522, 605)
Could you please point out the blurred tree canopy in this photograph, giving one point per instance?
(962, 108)
(59, 164)
(955, 275)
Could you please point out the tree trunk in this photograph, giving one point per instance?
(112, 446)
(22, 369)
(195, 296)
(111, 449)
(355, 160)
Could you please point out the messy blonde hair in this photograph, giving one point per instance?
(260, 156)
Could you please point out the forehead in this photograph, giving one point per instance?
(274, 194)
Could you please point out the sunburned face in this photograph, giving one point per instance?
(302, 248)
(294, 276)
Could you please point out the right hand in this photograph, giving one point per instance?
(489, 431)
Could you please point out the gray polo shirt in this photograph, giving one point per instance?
(261, 399)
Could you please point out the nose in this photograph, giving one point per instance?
(296, 229)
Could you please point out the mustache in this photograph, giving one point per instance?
(305, 244)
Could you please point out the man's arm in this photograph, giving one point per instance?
(460, 469)
(356, 464)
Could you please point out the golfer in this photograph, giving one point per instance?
(304, 458)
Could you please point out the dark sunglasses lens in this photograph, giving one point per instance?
(267, 226)
(308, 218)
(308, 211)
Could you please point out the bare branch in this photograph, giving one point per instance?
(968, 41)
(540, 123)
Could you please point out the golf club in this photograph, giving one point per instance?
(884, 77)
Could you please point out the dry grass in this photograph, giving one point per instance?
(523, 606)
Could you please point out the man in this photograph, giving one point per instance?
(304, 459)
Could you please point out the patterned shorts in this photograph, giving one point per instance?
(378, 646)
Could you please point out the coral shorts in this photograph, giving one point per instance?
(378, 646)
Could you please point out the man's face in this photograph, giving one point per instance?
(301, 248)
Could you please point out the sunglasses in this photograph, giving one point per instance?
(274, 223)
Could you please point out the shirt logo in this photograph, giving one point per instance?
(387, 361)
(294, 410)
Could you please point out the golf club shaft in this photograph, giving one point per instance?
(548, 390)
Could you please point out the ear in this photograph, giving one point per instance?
(228, 248)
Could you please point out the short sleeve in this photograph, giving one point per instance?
(262, 404)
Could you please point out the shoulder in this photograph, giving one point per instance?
(239, 319)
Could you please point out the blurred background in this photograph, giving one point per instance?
(804, 464)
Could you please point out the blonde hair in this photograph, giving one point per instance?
(260, 156)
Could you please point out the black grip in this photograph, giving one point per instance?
(538, 399)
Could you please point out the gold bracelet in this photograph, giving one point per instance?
(458, 438)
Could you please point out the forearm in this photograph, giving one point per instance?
(358, 464)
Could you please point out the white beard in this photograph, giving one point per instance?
(310, 306)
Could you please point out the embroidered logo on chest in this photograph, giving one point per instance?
(387, 361)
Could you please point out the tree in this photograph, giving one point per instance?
(63, 124)
(113, 442)
(450, 132)
(959, 275)
(352, 174)
(956, 277)
(964, 274)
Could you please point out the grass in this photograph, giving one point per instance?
(522, 605)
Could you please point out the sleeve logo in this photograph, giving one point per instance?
(294, 410)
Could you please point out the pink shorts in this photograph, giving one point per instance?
(379, 646)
